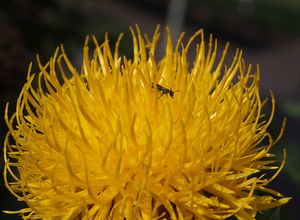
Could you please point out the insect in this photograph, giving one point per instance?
(164, 90)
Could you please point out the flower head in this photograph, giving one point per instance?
(141, 139)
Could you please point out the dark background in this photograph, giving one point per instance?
(267, 30)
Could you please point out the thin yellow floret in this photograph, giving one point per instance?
(105, 142)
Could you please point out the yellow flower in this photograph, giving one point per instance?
(141, 139)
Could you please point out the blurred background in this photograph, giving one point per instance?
(267, 30)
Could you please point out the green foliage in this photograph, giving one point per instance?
(292, 108)
(273, 214)
(278, 15)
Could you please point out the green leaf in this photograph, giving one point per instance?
(292, 108)
(292, 167)
(273, 214)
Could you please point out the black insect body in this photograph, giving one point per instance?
(164, 91)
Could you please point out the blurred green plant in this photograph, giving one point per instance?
(279, 15)
(273, 214)
(291, 108)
